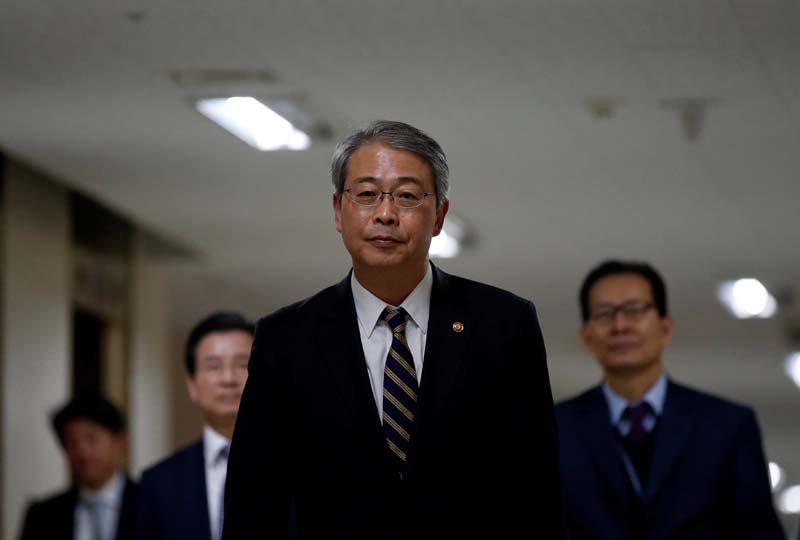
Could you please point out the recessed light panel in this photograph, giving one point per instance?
(254, 123)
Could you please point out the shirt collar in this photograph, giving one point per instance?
(110, 495)
(369, 307)
(654, 397)
(213, 443)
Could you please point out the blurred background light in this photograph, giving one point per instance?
(747, 298)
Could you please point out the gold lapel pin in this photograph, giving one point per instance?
(458, 327)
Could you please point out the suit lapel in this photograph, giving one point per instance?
(597, 436)
(127, 516)
(196, 509)
(342, 360)
(671, 436)
(445, 347)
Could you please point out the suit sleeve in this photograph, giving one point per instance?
(754, 510)
(257, 489)
(536, 456)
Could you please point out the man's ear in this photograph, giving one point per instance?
(666, 329)
(441, 212)
(337, 211)
(191, 388)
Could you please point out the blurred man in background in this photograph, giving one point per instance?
(181, 498)
(100, 504)
(642, 456)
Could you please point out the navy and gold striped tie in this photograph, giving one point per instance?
(399, 389)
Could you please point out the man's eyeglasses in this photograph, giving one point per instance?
(402, 197)
(633, 310)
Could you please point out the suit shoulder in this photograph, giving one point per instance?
(48, 502)
(567, 408)
(709, 404)
(173, 464)
(300, 310)
(483, 293)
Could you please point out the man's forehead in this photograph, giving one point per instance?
(628, 285)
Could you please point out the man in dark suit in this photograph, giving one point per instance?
(181, 497)
(100, 504)
(402, 402)
(643, 457)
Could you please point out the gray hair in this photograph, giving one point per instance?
(396, 135)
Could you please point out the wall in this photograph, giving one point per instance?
(36, 337)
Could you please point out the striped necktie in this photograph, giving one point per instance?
(399, 389)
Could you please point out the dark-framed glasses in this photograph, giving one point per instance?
(633, 310)
(403, 197)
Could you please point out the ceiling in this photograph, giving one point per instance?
(550, 185)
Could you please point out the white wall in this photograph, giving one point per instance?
(150, 389)
(36, 338)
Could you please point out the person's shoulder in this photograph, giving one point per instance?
(704, 399)
(302, 309)
(479, 293)
(702, 404)
(173, 464)
(51, 501)
(567, 408)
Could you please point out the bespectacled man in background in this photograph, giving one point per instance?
(181, 498)
(643, 457)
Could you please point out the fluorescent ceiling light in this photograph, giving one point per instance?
(776, 476)
(254, 123)
(747, 298)
(789, 500)
(449, 242)
(791, 366)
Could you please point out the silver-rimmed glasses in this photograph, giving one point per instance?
(403, 197)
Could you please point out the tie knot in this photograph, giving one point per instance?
(394, 316)
(637, 413)
(223, 452)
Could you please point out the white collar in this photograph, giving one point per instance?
(213, 443)
(369, 307)
(110, 495)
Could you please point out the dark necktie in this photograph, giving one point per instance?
(636, 415)
(399, 390)
(637, 442)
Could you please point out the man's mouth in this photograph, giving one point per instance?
(383, 241)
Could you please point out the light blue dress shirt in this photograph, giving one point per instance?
(655, 397)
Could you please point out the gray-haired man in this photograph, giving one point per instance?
(403, 402)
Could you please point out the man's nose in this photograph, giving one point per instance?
(620, 321)
(229, 374)
(386, 212)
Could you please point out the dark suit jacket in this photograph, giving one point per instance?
(173, 504)
(308, 426)
(708, 478)
(54, 518)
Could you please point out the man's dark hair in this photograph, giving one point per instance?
(222, 321)
(614, 267)
(399, 136)
(89, 405)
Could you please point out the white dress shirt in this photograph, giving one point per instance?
(376, 336)
(108, 500)
(216, 471)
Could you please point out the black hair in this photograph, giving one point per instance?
(614, 267)
(221, 321)
(89, 405)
